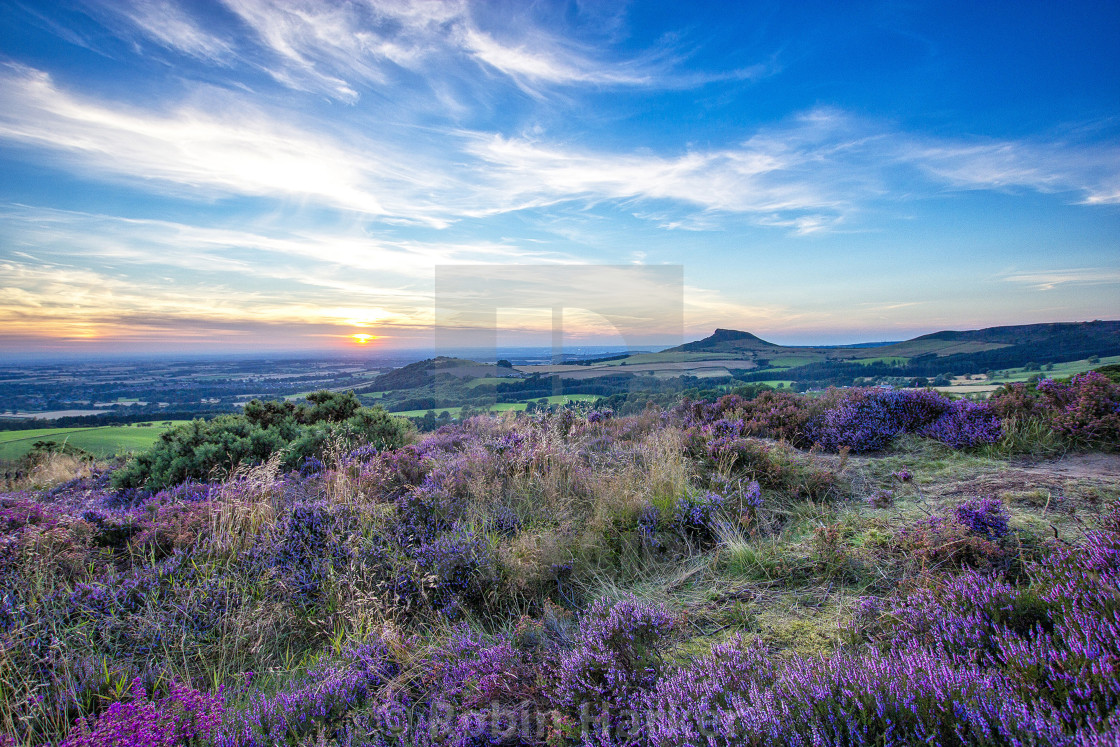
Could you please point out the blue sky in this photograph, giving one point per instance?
(256, 174)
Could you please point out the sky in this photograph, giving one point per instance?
(252, 175)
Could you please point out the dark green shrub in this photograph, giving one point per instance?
(204, 450)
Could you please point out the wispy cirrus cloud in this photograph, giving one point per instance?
(807, 174)
(1092, 173)
(172, 26)
(347, 259)
(339, 48)
(59, 299)
(343, 49)
(1046, 280)
(98, 277)
(191, 150)
(219, 147)
(810, 173)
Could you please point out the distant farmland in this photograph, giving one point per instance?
(101, 442)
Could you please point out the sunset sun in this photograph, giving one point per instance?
(363, 339)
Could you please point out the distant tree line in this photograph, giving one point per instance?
(98, 421)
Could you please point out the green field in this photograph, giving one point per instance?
(1060, 370)
(102, 442)
(556, 399)
(496, 407)
(491, 380)
(634, 360)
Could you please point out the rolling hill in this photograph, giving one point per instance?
(726, 341)
(1091, 338)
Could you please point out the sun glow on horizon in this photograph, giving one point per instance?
(363, 339)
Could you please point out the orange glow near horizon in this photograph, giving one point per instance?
(363, 339)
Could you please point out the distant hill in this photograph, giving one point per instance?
(725, 341)
(745, 357)
(1059, 340)
(1030, 333)
(1030, 342)
(423, 372)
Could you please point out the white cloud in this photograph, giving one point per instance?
(218, 147)
(541, 59)
(335, 260)
(782, 178)
(171, 26)
(809, 174)
(344, 48)
(1091, 172)
(1046, 280)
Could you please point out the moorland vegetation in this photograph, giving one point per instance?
(867, 566)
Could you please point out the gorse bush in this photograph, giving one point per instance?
(203, 450)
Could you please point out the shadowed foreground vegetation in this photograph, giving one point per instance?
(869, 566)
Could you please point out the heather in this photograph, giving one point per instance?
(857, 567)
(856, 419)
(1085, 410)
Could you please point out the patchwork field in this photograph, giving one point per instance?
(983, 385)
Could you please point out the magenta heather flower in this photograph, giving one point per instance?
(964, 425)
(183, 716)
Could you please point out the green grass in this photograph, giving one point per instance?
(496, 407)
(487, 380)
(556, 399)
(102, 441)
(1060, 370)
(634, 360)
